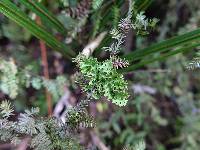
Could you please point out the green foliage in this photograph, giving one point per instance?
(119, 129)
(36, 83)
(119, 33)
(9, 80)
(44, 14)
(55, 87)
(102, 79)
(78, 116)
(12, 80)
(14, 13)
(96, 4)
(46, 133)
(6, 109)
(142, 24)
(146, 116)
(168, 47)
(116, 15)
(138, 146)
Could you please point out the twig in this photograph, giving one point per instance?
(45, 70)
(97, 141)
(63, 102)
(138, 89)
(89, 49)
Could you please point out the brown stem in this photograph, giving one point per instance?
(45, 70)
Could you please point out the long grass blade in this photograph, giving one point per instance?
(142, 4)
(44, 14)
(161, 57)
(14, 13)
(164, 45)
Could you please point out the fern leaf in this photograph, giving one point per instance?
(6, 109)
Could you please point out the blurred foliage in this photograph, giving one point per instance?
(45, 134)
(167, 118)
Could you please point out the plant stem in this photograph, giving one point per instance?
(45, 70)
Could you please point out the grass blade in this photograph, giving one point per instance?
(159, 58)
(164, 45)
(44, 14)
(14, 13)
(142, 4)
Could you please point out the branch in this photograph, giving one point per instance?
(64, 102)
(138, 89)
(89, 49)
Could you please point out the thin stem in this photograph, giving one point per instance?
(45, 70)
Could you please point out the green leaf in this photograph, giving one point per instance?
(45, 15)
(161, 57)
(14, 13)
(164, 45)
(142, 4)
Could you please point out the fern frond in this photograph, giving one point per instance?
(27, 123)
(138, 146)
(46, 133)
(101, 78)
(11, 77)
(41, 142)
(6, 135)
(6, 109)
(78, 117)
(142, 24)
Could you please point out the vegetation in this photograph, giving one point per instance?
(52, 98)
